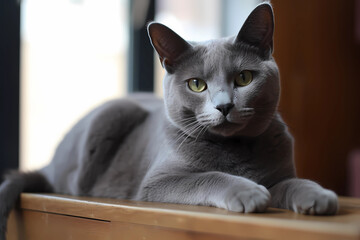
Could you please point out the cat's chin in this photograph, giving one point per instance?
(227, 129)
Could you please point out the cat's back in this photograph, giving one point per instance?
(136, 154)
(88, 149)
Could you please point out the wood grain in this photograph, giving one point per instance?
(130, 231)
(40, 225)
(43, 214)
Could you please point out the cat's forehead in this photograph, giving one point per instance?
(217, 48)
(219, 56)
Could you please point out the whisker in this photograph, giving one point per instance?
(202, 131)
(184, 133)
(194, 130)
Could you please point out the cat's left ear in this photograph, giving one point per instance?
(258, 29)
(167, 44)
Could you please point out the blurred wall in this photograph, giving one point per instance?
(319, 60)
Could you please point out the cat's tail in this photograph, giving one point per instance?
(10, 189)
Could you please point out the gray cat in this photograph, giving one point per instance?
(216, 140)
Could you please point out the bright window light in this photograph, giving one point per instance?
(73, 57)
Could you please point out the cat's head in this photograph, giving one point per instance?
(227, 87)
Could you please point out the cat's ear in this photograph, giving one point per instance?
(258, 29)
(167, 44)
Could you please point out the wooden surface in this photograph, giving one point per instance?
(45, 216)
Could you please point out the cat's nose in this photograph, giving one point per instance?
(225, 108)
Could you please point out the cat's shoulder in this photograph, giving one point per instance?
(114, 110)
(122, 113)
(148, 101)
(132, 106)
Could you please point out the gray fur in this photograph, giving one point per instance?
(185, 150)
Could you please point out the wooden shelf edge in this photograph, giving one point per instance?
(276, 223)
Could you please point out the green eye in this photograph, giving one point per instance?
(197, 85)
(244, 78)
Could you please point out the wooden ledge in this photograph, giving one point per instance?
(51, 216)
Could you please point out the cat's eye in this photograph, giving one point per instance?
(197, 85)
(244, 78)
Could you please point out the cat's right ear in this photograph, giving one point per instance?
(167, 44)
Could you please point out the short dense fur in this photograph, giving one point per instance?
(187, 150)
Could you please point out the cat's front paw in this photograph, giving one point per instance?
(321, 202)
(255, 198)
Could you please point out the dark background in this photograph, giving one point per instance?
(318, 54)
(9, 84)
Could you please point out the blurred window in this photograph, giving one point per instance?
(73, 57)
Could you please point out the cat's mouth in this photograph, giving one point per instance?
(226, 128)
(233, 123)
(226, 125)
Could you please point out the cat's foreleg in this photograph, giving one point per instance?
(210, 189)
(304, 196)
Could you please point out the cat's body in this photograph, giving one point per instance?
(151, 142)
(215, 140)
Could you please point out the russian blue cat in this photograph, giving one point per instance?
(216, 139)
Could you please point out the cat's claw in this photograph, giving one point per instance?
(323, 202)
(253, 199)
